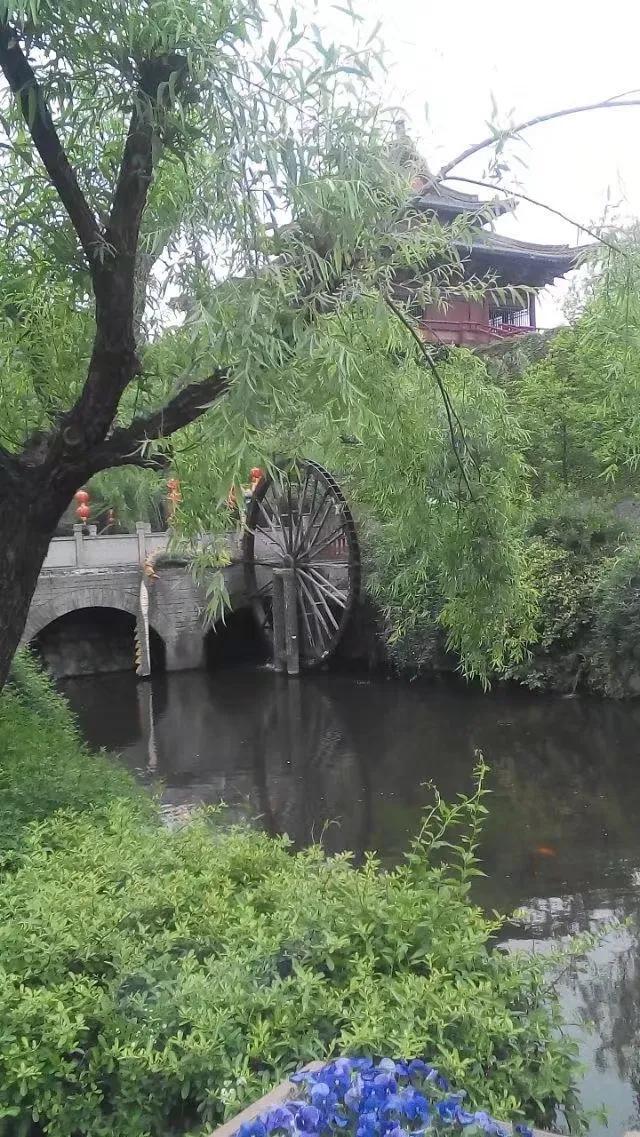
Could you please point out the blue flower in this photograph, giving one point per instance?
(482, 1119)
(368, 1125)
(361, 1063)
(384, 1083)
(301, 1076)
(254, 1128)
(319, 1092)
(387, 1066)
(369, 1099)
(447, 1109)
(308, 1118)
(279, 1118)
(353, 1096)
(464, 1118)
(397, 1132)
(393, 1104)
(415, 1106)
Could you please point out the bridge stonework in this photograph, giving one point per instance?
(90, 571)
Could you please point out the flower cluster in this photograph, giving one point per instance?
(368, 1099)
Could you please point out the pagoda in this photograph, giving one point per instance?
(485, 254)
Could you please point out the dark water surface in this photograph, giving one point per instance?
(345, 759)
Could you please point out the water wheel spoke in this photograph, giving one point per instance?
(313, 547)
(305, 619)
(290, 516)
(313, 563)
(327, 588)
(314, 533)
(317, 613)
(266, 587)
(312, 505)
(320, 605)
(300, 523)
(311, 524)
(274, 532)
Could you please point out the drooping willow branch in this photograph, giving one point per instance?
(541, 205)
(537, 120)
(452, 417)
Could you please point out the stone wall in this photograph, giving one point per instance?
(176, 613)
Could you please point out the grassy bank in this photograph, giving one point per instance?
(152, 982)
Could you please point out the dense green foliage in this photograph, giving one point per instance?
(277, 239)
(278, 225)
(442, 519)
(616, 634)
(571, 402)
(153, 982)
(44, 765)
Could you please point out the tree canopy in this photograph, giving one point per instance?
(205, 230)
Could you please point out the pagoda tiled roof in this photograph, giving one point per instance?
(518, 262)
(432, 196)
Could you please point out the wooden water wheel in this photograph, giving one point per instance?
(298, 519)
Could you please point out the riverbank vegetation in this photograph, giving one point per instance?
(567, 609)
(153, 982)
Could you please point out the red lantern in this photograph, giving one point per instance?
(83, 510)
(174, 495)
(256, 475)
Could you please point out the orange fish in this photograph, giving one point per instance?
(545, 851)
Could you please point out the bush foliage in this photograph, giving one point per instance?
(154, 982)
(616, 633)
(44, 765)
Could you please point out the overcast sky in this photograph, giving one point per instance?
(532, 58)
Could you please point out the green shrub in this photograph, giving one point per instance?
(580, 525)
(616, 634)
(154, 982)
(44, 765)
(566, 587)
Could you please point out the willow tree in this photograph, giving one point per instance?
(167, 151)
(129, 125)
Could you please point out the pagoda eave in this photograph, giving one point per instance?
(532, 267)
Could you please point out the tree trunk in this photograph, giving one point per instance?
(27, 523)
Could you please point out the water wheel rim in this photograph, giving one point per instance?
(299, 518)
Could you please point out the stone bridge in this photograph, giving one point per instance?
(89, 571)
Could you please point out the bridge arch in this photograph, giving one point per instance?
(41, 615)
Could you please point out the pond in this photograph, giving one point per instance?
(345, 759)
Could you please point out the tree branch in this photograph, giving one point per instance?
(132, 187)
(22, 81)
(446, 398)
(126, 446)
(494, 139)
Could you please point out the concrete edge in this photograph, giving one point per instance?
(281, 1093)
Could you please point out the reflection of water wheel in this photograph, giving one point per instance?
(309, 776)
(299, 519)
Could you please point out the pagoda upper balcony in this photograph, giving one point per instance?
(468, 323)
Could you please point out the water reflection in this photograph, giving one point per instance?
(346, 760)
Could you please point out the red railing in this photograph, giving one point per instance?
(443, 328)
